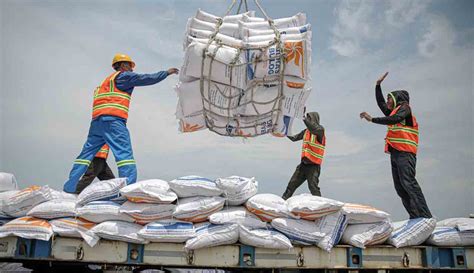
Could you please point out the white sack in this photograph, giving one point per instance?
(263, 238)
(28, 228)
(198, 208)
(237, 215)
(75, 228)
(221, 70)
(311, 207)
(193, 185)
(363, 214)
(248, 32)
(55, 208)
(101, 211)
(204, 16)
(209, 235)
(144, 213)
(412, 232)
(299, 231)
(119, 231)
(55, 194)
(23, 201)
(168, 231)
(267, 206)
(237, 189)
(4, 199)
(101, 190)
(294, 21)
(333, 226)
(451, 237)
(462, 224)
(297, 60)
(297, 19)
(229, 29)
(7, 182)
(362, 235)
(149, 191)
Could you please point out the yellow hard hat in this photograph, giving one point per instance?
(122, 58)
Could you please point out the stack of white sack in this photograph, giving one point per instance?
(100, 203)
(453, 232)
(148, 201)
(366, 225)
(312, 220)
(242, 72)
(199, 198)
(17, 205)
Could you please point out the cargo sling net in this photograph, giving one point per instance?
(233, 126)
(244, 76)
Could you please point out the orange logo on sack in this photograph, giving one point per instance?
(187, 128)
(294, 50)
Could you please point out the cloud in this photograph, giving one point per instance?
(342, 144)
(439, 38)
(352, 27)
(402, 12)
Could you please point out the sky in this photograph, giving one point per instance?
(54, 53)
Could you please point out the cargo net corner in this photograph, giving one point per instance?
(244, 76)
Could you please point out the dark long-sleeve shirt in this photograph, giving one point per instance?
(403, 113)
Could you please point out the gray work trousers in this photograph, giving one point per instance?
(403, 172)
(304, 172)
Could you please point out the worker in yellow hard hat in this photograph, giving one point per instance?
(109, 118)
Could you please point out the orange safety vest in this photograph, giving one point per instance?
(103, 152)
(402, 137)
(312, 148)
(108, 100)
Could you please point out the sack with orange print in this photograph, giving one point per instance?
(75, 228)
(149, 191)
(197, 209)
(363, 214)
(23, 201)
(297, 60)
(56, 208)
(27, 227)
(268, 206)
(144, 213)
(311, 207)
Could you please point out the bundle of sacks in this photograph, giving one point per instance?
(201, 212)
(242, 64)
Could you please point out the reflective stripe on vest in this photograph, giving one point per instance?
(312, 148)
(103, 152)
(402, 137)
(108, 100)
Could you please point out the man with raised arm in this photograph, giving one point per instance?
(401, 143)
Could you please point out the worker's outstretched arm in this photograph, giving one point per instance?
(128, 80)
(403, 112)
(297, 136)
(379, 96)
